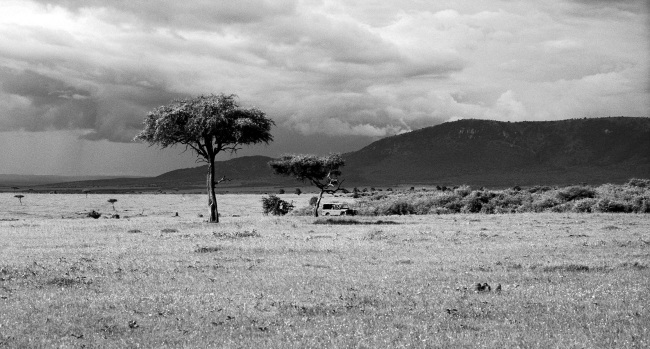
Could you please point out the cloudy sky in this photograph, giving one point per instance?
(77, 77)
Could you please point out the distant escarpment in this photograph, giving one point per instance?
(494, 153)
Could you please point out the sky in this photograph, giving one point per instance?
(77, 77)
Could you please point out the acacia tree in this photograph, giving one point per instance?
(208, 125)
(322, 172)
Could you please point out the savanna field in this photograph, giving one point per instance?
(161, 277)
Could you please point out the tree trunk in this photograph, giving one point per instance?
(212, 197)
(320, 197)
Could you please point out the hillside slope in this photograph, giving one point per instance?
(485, 152)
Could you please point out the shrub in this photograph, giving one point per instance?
(578, 198)
(276, 206)
(584, 205)
(607, 205)
(471, 205)
(94, 214)
(313, 201)
(400, 208)
(565, 207)
(463, 190)
(576, 193)
(539, 188)
(453, 207)
(544, 204)
(641, 205)
(298, 191)
(281, 191)
(637, 182)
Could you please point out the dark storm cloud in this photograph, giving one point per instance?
(42, 103)
(183, 14)
(332, 67)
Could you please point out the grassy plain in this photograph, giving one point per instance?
(154, 279)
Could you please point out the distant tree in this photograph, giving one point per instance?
(86, 191)
(281, 191)
(112, 201)
(208, 125)
(320, 171)
(20, 198)
(298, 191)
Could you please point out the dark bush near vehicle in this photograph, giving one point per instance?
(275, 206)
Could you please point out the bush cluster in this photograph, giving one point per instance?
(633, 197)
(275, 206)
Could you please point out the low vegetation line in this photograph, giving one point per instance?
(632, 197)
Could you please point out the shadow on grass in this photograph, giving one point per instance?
(208, 249)
(335, 221)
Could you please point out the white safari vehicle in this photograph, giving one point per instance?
(337, 209)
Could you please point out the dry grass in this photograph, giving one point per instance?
(568, 280)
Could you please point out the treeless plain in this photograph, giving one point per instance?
(156, 279)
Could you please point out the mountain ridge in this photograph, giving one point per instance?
(470, 151)
(466, 149)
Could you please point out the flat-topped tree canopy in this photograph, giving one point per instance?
(208, 125)
(309, 167)
(321, 171)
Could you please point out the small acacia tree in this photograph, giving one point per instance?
(20, 198)
(208, 125)
(320, 171)
(112, 201)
